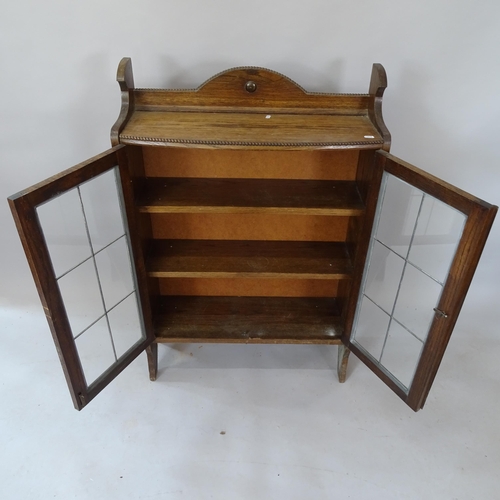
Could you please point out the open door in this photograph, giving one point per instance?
(425, 244)
(83, 255)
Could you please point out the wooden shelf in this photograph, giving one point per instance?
(248, 320)
(248, 259)
(259, 129)
(269, 196)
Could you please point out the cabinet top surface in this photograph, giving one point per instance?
(247, 108)
(250, 129)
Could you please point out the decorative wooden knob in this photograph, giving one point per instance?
(250, 86)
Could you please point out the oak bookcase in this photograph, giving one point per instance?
(252, 211)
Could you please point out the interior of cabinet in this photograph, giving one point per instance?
(248, 245)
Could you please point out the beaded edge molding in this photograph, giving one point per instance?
(247, 143)
(329, 94)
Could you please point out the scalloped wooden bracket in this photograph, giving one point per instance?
(125, 78)
(236, 79)
(378, 84)
(250, 88)
(256, 86)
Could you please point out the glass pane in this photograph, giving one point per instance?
(401, 354)
(439, 229)
(414, 241)
(95, 350)
(88, 245)
(101, 202)
(81, 296)
(418, 296)
(125, 325)
(383, 276)
(398, 214)
(115, 272)
(63, 227)
(371, 328)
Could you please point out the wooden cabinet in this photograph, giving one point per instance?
(250, 211)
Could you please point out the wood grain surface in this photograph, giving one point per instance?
(248, 320)
(185, 195)
(259, 130)
(252, 259)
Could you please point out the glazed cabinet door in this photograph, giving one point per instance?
(77, 232)
(425, 243)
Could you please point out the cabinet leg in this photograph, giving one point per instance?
(152, 353)
(343, 358)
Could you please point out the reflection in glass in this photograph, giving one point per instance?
(415, 304)
(102, 209)
(81, 296)
(371, 328)
(398, 214)
(125, 325)
(63, 226)
(95, 350)
(115, 272)
(412, 247)
(383, 276)
(438, 232)
(401, 353)
(87, 242)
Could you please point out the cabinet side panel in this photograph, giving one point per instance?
(369, 177)
(142, 226)
(364, 174)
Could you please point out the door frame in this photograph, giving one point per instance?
(480, 217)
(23, 206)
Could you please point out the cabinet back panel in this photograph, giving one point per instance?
(249, 227)
(227, 163)
(248, 287)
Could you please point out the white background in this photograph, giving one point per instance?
(281, 412)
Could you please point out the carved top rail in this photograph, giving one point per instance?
(250, 107)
